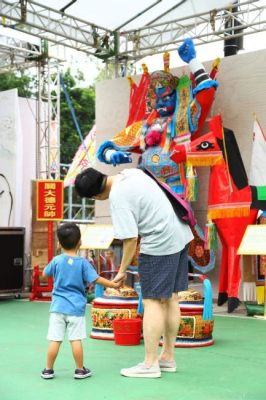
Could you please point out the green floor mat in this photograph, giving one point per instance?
(234, 368)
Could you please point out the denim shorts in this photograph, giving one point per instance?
(59, 324)
(161, 276)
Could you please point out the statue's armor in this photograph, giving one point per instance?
(160, 164)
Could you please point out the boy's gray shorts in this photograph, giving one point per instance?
(161, 276)
(59, 324)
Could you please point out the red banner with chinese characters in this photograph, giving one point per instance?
(50, 200)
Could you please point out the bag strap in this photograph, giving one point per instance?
(180, 206)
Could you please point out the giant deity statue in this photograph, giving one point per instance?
(174, 112)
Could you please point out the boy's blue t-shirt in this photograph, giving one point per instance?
(71, 277)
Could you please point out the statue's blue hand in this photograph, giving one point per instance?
(187, 50)
(120, 157)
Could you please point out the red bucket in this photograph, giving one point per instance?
(127, 332)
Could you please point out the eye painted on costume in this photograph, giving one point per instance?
(205, 145)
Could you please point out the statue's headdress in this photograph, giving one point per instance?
(161, 79)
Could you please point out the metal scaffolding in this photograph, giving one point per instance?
(48, 120)
(24, 52)
(120, 46)
(52, 25)
(203, 28)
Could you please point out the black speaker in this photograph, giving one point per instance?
(12, 259)
(233, 26)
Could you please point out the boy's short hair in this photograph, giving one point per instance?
(90, 182)
(68, 235)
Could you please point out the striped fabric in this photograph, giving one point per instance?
(200, 76)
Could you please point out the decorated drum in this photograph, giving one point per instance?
(193, 331)
(119, 303)
(115, 304)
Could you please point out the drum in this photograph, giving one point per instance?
(194, 331)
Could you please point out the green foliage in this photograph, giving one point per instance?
(19, 80)
(83, 102)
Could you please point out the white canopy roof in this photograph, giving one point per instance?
(111, 14)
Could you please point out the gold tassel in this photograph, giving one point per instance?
(228, 212)
(204, 161)
(191, 184)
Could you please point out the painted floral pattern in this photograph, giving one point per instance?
(102, 318)
(195, 327)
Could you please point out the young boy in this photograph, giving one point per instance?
(71, 274)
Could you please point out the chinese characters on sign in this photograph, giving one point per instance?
(50, 200)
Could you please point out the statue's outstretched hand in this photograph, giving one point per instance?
(187, 50)
(120, 157)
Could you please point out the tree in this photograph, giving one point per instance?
(83, 102)
(17, 80)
